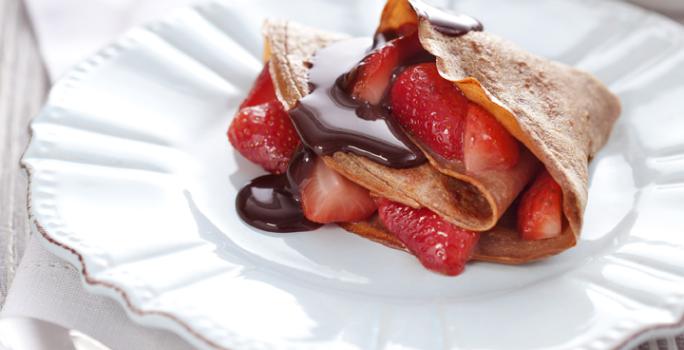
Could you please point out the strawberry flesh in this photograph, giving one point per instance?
(539, 213)
(328, 197)
(430, 108)
(487, 145)
(373, 75)
(261, 130)
(262, 91)
(439, 245)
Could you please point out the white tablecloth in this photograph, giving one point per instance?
(45, 287)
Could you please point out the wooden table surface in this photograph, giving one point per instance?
(23, 86)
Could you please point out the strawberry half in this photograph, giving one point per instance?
(262, 91)
(264, 134)
(373, 74)
(487, 145)
(262, 131)
(540, 214)
(329, 197)
(431, 108)
(439, 245)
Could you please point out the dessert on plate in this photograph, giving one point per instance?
(434, 137)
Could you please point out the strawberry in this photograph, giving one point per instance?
(539, 212)
(264, 134)
(262, 91)
(373, 74)
(431, 108)
(262, 131)
(327, 197)
(487, 145)
(439, 245)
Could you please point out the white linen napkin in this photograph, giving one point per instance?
(71, 30)
(49, 289)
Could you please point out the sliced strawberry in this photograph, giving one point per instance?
(373, 74)
(264, 134)
(328, 197)
(262, 91)
(439, 245)
(487, 145)
(539, 214)
(431, 108)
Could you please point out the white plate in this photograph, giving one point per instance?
(133, 179)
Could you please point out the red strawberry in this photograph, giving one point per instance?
(439, 245)
(487, 145)
(431, 108)
(262, 131)
(328, 197)
(373, 74)
(539, 214)
(262, 91)
(264, 134)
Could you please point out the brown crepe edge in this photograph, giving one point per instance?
(587, 121)
(573, 203)
(571, 174)
(489, 247)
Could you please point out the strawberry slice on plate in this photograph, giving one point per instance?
(430, 108)
(328, 197)
(540, 214)
(373, 75)
(439, 245)
(487, 145)
(262, 131)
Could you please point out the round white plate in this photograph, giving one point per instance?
(133, 179)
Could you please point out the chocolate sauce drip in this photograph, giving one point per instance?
(272, 203)
(445, 22)
(329, 120)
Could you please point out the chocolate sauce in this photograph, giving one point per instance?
(329, 120)
(272, 203)
(445, 22)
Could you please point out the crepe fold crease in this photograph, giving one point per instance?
(562, 116)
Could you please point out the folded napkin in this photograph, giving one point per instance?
(48, 289)
(71, 30)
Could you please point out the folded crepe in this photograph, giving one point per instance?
(563, 116)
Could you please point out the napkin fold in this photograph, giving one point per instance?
(69, 31)
(49, 289)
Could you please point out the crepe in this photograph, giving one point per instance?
(472, 201)
(562, 115)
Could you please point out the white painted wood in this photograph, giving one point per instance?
(23, 85)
